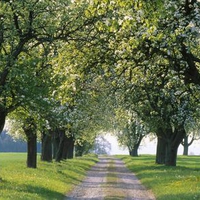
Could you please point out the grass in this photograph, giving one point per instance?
(174, 183)
(48, 181)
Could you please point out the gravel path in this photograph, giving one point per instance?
(110, 179)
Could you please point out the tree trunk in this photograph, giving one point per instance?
(3, 114)
(79, 149)
(30, 131)
(65, 148)
(46, 154)
(161, 150)
(185, 146)
(68, 147)
(171, 154)
(32, 151)
(173, 143)
(59, 153)
(134, 151)
(70, 154)
(55, 142)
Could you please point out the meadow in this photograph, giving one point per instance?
(168, 183)
(54, 180)
(48, 181)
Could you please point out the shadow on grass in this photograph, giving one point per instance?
(162, 169)
(2, 180)
(42, 192)
(182, 196)
(30, 191)
(114, 198)
(64, 168)
(88, 159)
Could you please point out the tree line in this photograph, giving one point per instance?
(70, 69)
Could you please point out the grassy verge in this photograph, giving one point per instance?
(48, 181)
(174, 183)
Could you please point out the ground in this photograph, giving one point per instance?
(110, 179)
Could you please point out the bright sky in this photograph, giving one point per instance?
(148, 147)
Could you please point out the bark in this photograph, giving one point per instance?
(32, 151)
(65, 148)
(171, 154)
(46, 154)
(70, 154)
(185, 146)
(79, 150)
(59, 153)
(191, 73)
(68, 149)
(134, 151)
(185, 150)
(168, 143)
(30, 131)
(161, 150)
(55, 142)
(172, 145)
(3, 114)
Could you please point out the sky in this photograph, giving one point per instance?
(148, 147)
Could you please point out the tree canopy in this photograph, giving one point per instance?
(75, 64)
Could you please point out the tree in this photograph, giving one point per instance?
(101, 145)
(130, 139)
(180, 53)
(149, 61)
(130, 130)
(47, 151)
(26, 123)
(192, 130)
(83, 148)
(186, 143)
(29, 128)
(29, 36)
(144, 64)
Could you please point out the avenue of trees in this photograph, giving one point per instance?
(71, 69)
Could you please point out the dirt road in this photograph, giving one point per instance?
(110, 179)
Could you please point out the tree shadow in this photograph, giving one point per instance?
(43, 192)
(180, 196)
(2, 180)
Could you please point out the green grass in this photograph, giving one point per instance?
(168, 183)
(48, 181)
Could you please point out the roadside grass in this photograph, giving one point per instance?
(175, 183)
(48, 181)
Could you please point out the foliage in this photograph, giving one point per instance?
(129, 129)
(101, 145)
(75, 64)
(30, 35)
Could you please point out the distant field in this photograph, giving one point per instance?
(168, 183)
(48, 181)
